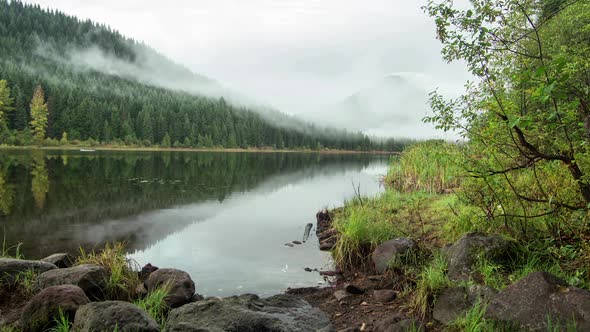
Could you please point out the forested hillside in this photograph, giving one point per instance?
(83, 102)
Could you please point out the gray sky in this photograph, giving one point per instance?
(298, 56)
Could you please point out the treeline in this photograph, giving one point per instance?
(87, 105)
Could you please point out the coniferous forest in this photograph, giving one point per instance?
(76, 103)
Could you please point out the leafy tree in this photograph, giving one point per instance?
(166, 141)
(38, 115)
(5, 106)
(527, 115)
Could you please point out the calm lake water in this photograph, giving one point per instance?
(222, 217)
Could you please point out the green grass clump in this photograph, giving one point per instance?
(62, 323)
(154, 303)
(11, 251)
(431, 166)
(473, 321)
(431, 280)
(123, 278)
(25, 282)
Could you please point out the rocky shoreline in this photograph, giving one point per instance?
(358, 300)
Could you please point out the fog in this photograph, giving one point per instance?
(357, 65)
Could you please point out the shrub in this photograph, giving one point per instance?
(123, 277)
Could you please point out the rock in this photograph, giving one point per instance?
(146, 270)
(182, 287)
(61, 260)
(307, 269)
(248, 313)
(384, 295)
(407, 325)
(465, 253)
(450, 304)
(328, 244)
(289, 245)
(352, 289)
(324, 223)
(91, 278)
(531, 300)
(10, 268)
(350, 329)
(387, 251)
(113, 316)
(385, 324)
(41, 311)
(297, 242)
(341, 295)
(453, 303)
(327, 234)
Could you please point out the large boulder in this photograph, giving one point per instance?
(41, 311)
(182, 287)
(91, 278)
(453, 303)
(10, 268)
(537, 297)
(390, 250)
(472, 247)
(113, 316)
(61, 260)
(249, 313)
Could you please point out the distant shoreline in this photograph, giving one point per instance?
(172, 149)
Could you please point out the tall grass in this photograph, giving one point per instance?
(62, 323)
(10, 251)
(474, 321)
(432, 279)
(154, 303)
(430, 166)
(362, 226)
(123, 277)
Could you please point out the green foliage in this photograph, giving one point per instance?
(557, 326)
(154, 303)
(9, 328)
(123, 278)
(5, 104)
(432, 167)
(526, 115)
(62, 323)
(38, 115)
(431, 280)
(473, 321)
(25, 281)
(11, 251)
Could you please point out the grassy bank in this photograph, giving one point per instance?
(433, 200)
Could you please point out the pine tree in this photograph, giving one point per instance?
(39, 115)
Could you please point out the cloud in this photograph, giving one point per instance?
(296, 55)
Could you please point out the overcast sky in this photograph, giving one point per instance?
(297, 55)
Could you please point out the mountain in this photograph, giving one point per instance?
(103, 86)
(395, 101)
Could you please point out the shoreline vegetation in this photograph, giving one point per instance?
(115, 147)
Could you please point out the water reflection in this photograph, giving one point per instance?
(57, 201)
(40, 180)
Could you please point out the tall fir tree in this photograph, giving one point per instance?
(39, 115)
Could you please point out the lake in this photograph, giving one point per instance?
(222, 217)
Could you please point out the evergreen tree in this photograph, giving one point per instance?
(38, 115)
